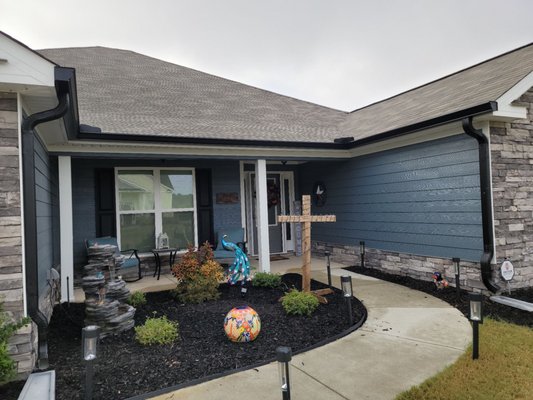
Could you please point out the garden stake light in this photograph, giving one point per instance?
(284, 356)
(456, 264)
(476, 317)
(347, 291)
(362, 252)
(328, 266)
(89, 342)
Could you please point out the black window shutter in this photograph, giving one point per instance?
(204, 206)
(105, 202)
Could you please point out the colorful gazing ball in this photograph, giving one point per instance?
(242, 324)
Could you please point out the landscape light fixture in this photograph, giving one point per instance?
(89, 342)
(347, 292)
(284, 356)
(476, 317)
(328, 267)
(456, 264)
(362, 252)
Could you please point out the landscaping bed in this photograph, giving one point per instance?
(125, 368)
(490, 309)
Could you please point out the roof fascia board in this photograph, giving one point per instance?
(140, 149)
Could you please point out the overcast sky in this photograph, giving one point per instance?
(342, 54)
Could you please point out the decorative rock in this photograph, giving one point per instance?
(242, 324)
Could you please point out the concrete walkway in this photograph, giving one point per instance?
(408, 337)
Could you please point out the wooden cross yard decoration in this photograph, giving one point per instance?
(306, 219)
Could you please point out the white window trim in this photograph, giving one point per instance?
(157, 211)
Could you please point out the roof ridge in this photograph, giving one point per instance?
(442, 78)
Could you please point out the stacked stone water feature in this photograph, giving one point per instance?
(105, 292)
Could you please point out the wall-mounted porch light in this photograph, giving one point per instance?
(284, 356)
(89, 343)
(347, 292)
(476, 317)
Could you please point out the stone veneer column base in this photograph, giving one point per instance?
(414, 266)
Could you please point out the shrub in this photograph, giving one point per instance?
(198, 275)
(7, 328)
(137, 299)
(266, 279)
(299, 303)
(157, 331)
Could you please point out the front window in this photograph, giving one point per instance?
(152, 201)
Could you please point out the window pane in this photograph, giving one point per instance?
(137, 231)
(176, 189)
(135, 190)
(179, 226)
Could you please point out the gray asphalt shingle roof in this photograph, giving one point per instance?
(124, 92)
(121, 91)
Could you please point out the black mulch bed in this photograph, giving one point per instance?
(490, 309)
(125, 368)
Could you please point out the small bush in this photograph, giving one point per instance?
(157, 331)
(198, 275)
(137, 299)
(7, 328)
(299, 303)
(266, 279)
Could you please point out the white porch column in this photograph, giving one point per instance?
(262, 215)
(66, 227)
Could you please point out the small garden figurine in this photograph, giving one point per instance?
(439, 280)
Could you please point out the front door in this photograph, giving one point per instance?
(280, 193)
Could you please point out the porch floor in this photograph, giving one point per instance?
(290, 263)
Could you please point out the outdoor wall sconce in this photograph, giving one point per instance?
(89, 342)
(328, 267)
(362, 252)
(347, 291)
(476, 317)
(284, 356)
(456, 264)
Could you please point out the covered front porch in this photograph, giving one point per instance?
(288, 263)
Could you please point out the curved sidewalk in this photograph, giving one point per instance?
(408, 337)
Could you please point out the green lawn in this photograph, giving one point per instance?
(503, 371)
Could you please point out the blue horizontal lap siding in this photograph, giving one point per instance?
(46, 194)
(422, 199)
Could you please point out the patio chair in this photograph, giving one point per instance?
(234, 235)
(131, 262)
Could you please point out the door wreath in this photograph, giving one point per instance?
(273, 194)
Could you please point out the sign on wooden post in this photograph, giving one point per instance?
(306, 219)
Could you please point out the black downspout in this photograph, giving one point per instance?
(486, 204)
(30, 219)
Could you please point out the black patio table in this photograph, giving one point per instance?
(157, 252)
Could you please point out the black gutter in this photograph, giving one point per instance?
(486, 203)
(30, 216)
(339, 145)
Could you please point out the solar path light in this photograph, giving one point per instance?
(328, 266)
(362, 253)
(456, 265)
(476, 317)
(89, 342)
(284, 356)
(347, 292)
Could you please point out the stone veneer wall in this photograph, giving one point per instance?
(21, 345)
(414, 266)
(512, 183)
